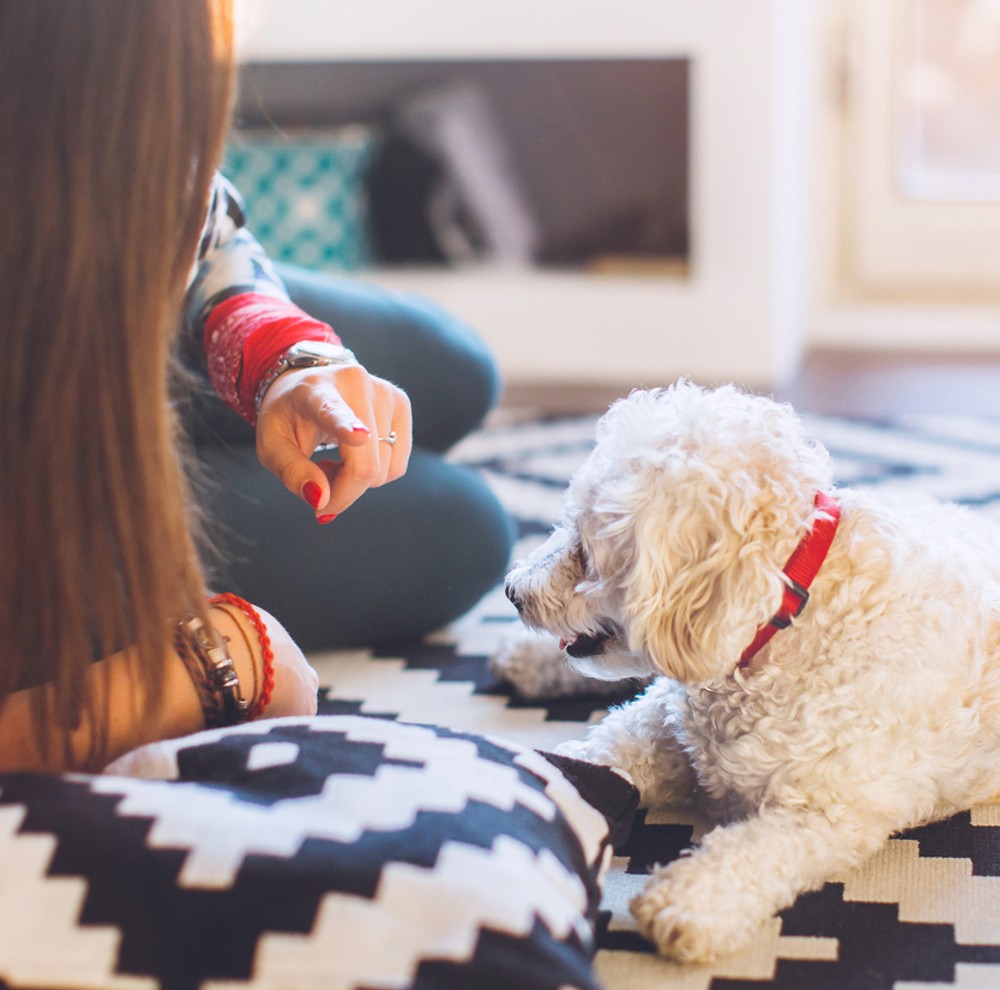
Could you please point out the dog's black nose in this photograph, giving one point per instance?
(512, 596)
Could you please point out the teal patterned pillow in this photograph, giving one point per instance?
(305, 193)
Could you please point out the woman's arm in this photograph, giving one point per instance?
(239, 314)
(118, 706)
(130, 718)
(230, 262)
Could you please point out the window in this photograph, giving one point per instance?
(920, 216)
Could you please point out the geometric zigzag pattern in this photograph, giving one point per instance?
(337, 852)
(924, 912)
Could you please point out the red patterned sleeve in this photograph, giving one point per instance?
(244, 337)
(237, 307)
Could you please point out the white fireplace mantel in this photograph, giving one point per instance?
(740, 313)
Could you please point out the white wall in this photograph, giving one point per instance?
(740, 314)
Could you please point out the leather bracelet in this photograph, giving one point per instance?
(267, 653)
(256, 692)
(210, 666)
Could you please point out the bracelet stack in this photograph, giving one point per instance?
(208, 662)
(267, 652)
(245, 336)
(206, 656)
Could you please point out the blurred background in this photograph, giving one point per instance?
(799, 195)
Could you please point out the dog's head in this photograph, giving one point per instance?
(674, 533)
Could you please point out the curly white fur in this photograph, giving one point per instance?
(878, 709)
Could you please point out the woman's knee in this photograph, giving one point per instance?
(404, 560)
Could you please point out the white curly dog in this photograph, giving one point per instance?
(689, 538)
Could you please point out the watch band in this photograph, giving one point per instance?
(301, 356)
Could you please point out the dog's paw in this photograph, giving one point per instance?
(535, 666)
(674, 934)
(576, 749)
(687, 923)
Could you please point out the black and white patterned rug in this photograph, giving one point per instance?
(924, 912)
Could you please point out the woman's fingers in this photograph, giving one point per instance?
(367, 418)
(395, 437)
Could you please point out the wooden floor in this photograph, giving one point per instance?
(845, 383)
(852, 383)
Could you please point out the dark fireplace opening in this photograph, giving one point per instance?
(567, 163)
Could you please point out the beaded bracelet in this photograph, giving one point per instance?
(207, 660)
(265, 646)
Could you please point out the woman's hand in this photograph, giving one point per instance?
(295, 680)
(345, 405)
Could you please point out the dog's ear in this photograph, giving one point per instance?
(705, 576)
(700, 498)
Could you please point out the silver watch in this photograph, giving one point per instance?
(306, 354)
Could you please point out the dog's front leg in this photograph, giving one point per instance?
(534, 664)
(642, 738)
(712, 901)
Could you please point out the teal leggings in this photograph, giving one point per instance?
(406, 558)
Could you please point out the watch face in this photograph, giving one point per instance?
(310, 352)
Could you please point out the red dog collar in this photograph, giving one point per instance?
(800, 571)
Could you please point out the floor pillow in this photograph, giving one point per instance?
(338, 852)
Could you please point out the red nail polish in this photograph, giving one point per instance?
(312, 493)
(323, 520)
(360, 428)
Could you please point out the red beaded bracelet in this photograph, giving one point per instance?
(265, 645)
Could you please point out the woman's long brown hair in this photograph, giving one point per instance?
(112, 118)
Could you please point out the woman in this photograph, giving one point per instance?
(410, 556)
(113, 120)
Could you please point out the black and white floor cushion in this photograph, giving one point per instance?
(337, 852)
